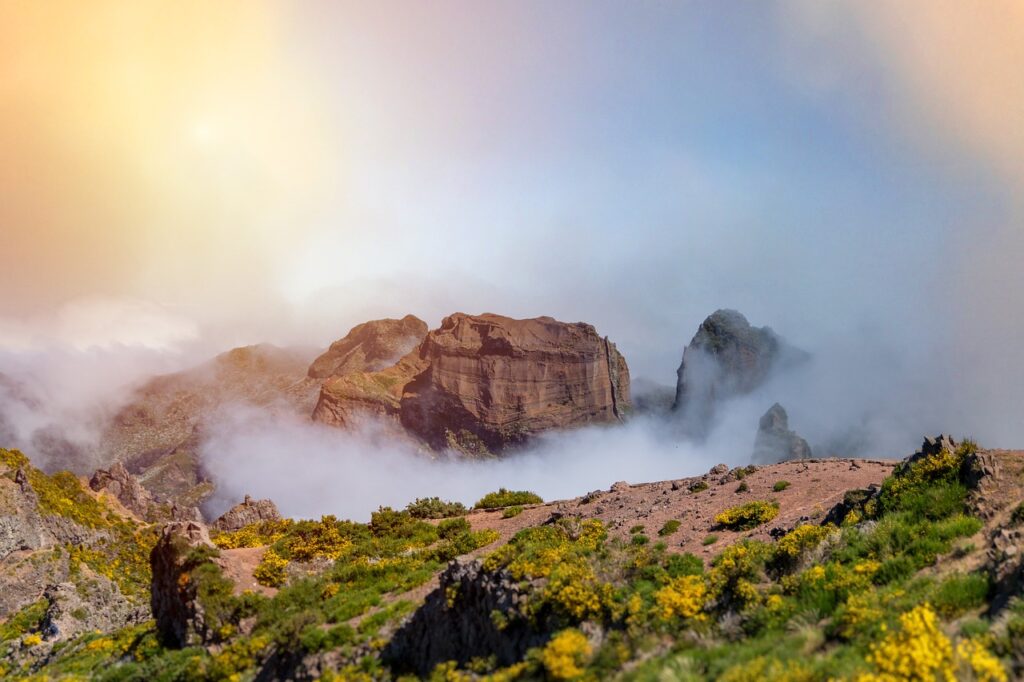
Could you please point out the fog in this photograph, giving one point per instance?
(847, 173)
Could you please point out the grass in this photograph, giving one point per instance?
(511, 512)
(709, 540)
(780, 486)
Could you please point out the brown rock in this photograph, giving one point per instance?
(370, 347)
(120, 484)
(181, 617)
(483, 383)
(247, 512)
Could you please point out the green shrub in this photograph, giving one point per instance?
(638, 528)
(450, 528)
(747, 516)
(709, 540)
(698, 486)
(780, 486)
(511, 512)
(434, 508)
(960, 593)
(640, 539)
(1017, 517)
(742, 487)
(507, 498)
(671, 526)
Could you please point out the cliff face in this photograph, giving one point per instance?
(481, 383)
(727, 357)
(370, 347)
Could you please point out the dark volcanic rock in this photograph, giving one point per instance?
(457, 622)
(181, 618)
(482, 383)
(726, 357)
(247, 512)
(370, 347)
(775, 442)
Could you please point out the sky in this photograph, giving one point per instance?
(177, 178)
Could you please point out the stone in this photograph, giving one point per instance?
(180, 615)
(480, 384)
(125, 488)
(370, 347)
(247, 512)
(727, 357)
(775, 442)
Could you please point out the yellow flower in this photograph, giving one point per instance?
(565, 653)
(683, 597)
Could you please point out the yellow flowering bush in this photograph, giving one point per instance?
(682, 598)
(271, 569)
(747, 516)
(767, 668)
(253, 535)
(565, 654)
(802, 539)
(920, 651)
(574, 590)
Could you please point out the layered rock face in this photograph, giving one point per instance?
(727, 357)
(481, 383)
(775, 442)
(247, 512)
(370, 347)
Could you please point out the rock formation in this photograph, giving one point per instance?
(246, 512)
(158, 433)
(370, 347)
(726, 357)
(775, 442)
(181, 615)
(124, 487)
(483, 383)
(465, 627)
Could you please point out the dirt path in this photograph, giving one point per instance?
(239, 564)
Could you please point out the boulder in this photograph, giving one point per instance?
(775, 442)
(482, 383)
(727, 357)
(71, 611)
(247, 512)
(370, 347)
(125, 488)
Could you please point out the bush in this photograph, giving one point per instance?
(671, 526)
(511, 512)
(638, 528)
(640, 539)
(747, 516)
(780, 486)
(507, 498)
(1017, 517)
(698, 486)
(742, 487)
(449, 528)
(709, 540)
(271, 569)
(434, 508)
(959, 593)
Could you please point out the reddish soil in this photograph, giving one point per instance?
(815, 486)
(239, 564)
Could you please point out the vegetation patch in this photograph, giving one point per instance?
(747, 516)
(507, 498)
(670, 527)
(780, 486)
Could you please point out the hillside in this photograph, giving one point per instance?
(811, 570)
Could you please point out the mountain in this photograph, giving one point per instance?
(804, 570)
(727, 357)
(158, 433)
(484, 383)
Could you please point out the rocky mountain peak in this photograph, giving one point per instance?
(370, 347)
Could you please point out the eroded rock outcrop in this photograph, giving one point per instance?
(247, 512)
(184, 548)
(457, 622)
(727, 357)
(775, 442)
(370, 347)
(482, 383)
(125, 488)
